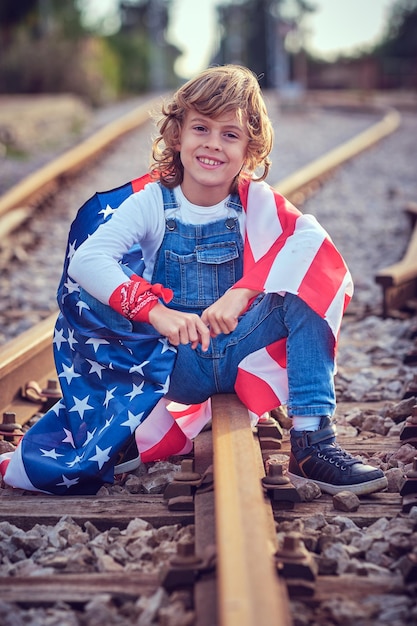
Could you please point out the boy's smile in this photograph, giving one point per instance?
(212, 152)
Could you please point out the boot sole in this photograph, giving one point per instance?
(127, 466)
(359, 489)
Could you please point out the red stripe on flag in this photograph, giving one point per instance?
(278, 352)
(319, 287)
(255, 393)
(173, 442)
(139, 183)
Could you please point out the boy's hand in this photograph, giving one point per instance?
(180, 327)
(222, 315)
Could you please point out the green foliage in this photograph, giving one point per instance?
(87, 68)
(46, 50)
(132, 51)
(400, 38)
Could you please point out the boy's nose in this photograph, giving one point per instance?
(212, 142)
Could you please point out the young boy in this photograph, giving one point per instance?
(232, 290)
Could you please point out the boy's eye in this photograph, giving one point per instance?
(200, 128)
(232, 136)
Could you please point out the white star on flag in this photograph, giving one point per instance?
(165, 386)
(107, 211)
(138, 369)
(82, 305)
(132, 421)
(109, 396)
(68, 373)
(95, 368)
(106, 424)
(96, 342)
(59, 338)
(166, 345)
(50, 453)
(81, 406)
(69, 438)
(71, 286)
(67, 482)
(76, 460)
(71, 340)
(101, 456)
(89, 437)
(71, 250)
(57, 407)
(136, 390)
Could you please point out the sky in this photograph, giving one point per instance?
(336, 26)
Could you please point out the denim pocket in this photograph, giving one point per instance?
(200, 278)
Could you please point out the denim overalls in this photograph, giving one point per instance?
(199, 262)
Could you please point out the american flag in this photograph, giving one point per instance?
(111, 382)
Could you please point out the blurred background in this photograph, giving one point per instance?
(106, 50)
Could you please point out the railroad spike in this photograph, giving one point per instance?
(408, 433)
(269, 428)
(10, 430)
(186, 566)
(408, 484)
(278, 486)
(295, 563)
(181, 503)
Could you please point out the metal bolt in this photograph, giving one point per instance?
(187, 473)
(52, 389)
(9, 423)
(292, 548)
(186, 556)
(275, 476)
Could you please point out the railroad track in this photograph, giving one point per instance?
(226, 498)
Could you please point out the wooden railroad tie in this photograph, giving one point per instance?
(399, 281)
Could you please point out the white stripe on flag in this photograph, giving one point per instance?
(263, 366)
(296, 256)
(262, 226)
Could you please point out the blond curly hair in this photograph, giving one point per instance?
(215, 92)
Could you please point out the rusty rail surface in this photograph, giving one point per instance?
(19, 201)
(399, 281)
(249, 590)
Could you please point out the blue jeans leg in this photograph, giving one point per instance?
(310, 356)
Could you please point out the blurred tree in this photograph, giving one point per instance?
(396, 53)
(49, 51)
(12, 14)
(400, 37)
(146, 59)
(254, 33)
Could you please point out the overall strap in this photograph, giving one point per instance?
(235, 203)
(171, 203)
(168, 198)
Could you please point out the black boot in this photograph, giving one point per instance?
(129, 458)
(315, 456)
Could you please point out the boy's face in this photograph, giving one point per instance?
(212, 152)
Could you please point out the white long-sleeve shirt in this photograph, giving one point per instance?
(140, 219)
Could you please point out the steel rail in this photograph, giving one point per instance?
(17, 203)
(300, 181)
(249, 590)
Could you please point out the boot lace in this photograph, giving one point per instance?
(334, 454)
